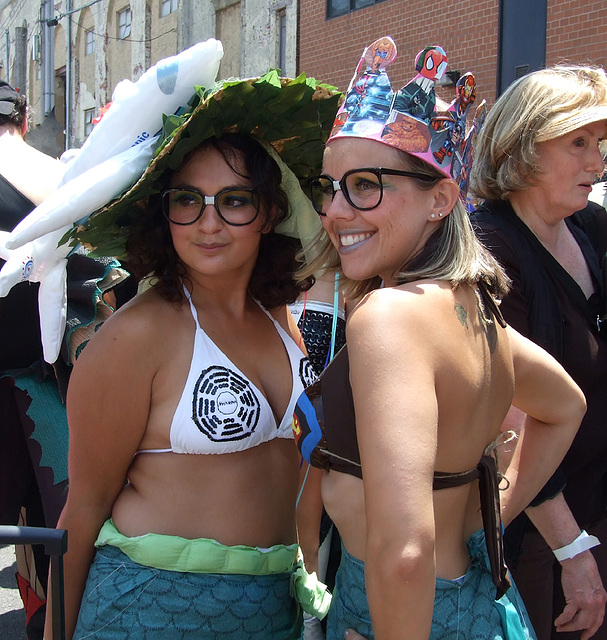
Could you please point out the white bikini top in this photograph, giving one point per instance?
(220, 409)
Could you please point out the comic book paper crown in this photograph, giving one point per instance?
(407, 119)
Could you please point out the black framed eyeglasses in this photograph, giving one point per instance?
(362, 188)
(235, 206)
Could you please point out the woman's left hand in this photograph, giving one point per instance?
(350, 634)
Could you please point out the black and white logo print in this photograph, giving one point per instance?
(224, 406)
(307, 375)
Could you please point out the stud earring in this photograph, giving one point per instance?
(433, 215)
(440, 215)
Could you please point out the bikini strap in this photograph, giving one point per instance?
(192, 307)
(492, 523)
(490, 303)
(486, 473)
(284, 335)
(448, 480)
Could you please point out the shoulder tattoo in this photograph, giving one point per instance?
(462, 315)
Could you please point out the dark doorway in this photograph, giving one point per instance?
(521, 39)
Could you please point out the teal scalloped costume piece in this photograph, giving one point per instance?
(49, 417)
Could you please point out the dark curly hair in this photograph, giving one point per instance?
(150, 251)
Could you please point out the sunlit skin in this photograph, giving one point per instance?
(431, 383)
(211, 248)
(147, 344)
(379, 241)
(568, 166)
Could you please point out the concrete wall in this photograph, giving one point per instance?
(250, 29)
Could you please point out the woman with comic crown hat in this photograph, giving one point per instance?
(406, 420)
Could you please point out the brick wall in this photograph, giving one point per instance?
(330, 49)
(577, 32)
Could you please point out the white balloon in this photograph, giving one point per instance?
(112, 159)
(137, 107)
(84, 194)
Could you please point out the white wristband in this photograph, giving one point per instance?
(582, 543)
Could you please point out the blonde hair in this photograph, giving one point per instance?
(452, 252)
(540, 106)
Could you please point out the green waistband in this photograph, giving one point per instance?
(204, 555)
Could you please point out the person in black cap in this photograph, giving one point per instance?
(33, 422)
(27, 176)
(9, 99)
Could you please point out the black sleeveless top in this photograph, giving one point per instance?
(19, 319)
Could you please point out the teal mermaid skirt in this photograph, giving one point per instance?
(463, 609)
(124, 600)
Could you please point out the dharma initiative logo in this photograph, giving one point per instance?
(307, 375)
(224, 406)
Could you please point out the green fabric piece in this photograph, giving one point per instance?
(204, 555)
(303, 222)
(511, 621)
(312, 595)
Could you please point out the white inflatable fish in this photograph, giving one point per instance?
(40, 261)
(131, 124)
(113, 157)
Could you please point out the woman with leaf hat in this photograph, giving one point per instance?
(183, 473)
(406, 419)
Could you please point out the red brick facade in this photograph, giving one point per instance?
(577, 32)
(466, 29)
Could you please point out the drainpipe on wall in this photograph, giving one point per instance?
(48, 60)
(20, 66)
(68, 76)
(7, 66)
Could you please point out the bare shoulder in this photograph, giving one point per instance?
(405, 309)
(142, 328)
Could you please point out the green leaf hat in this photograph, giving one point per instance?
(293, 117)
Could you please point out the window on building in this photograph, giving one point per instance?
(227, 29)
(282, 40)
(89, 114)
(341, 7)
(89, 43)
(124, 23)
(167, 6)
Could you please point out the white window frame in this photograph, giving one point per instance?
(167, 7)
(281, 23)
(89, 115)
(89, 42)
(124, 23)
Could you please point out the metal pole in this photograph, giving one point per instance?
(49, 59)
(55, 545)
(7, 46)
(68, 77)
